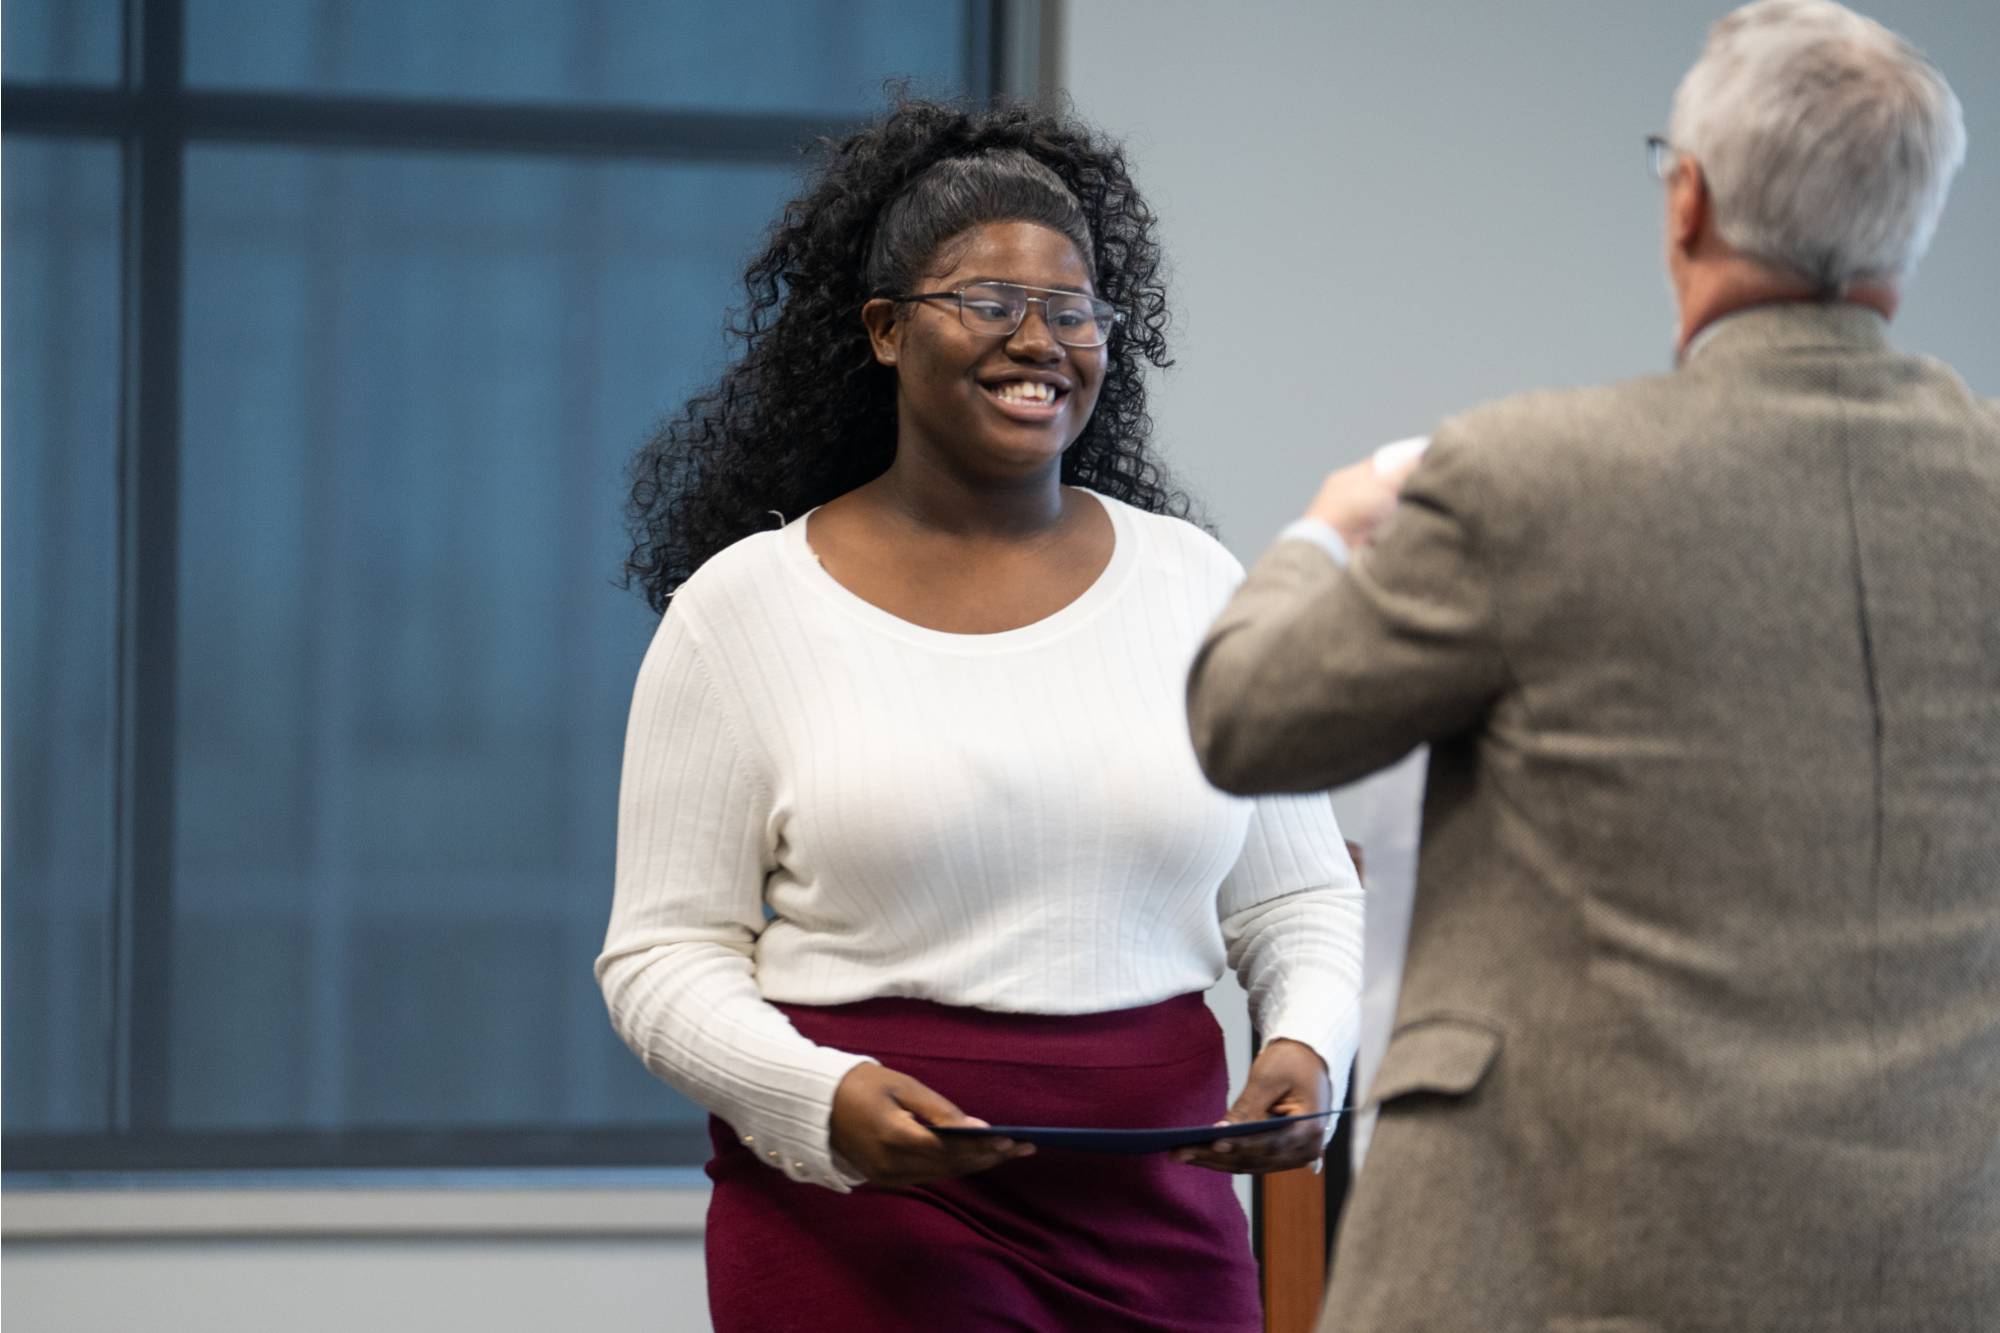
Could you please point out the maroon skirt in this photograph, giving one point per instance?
(1055, 1241)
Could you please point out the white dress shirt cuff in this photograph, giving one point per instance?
(1321, 534)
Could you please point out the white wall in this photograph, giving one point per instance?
(617, 1253)
(1378, 213)
(347, 1286)
(1382, 213)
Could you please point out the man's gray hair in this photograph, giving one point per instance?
(1827, 141)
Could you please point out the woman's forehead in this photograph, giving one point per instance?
(1023, 252)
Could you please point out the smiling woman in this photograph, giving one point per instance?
(982, 416)
(803, 416)
(911, 834)
(1042, 372)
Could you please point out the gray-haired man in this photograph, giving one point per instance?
(1700, 1027)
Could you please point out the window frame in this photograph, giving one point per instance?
(155, 119)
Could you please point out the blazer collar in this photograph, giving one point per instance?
(1790, 325)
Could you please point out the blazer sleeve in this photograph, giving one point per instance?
(1315, 674)
(678, 970)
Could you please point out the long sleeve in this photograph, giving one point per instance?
(1291, 912)
(1315, 675)
(677, 968)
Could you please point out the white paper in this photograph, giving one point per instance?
(1398, 453)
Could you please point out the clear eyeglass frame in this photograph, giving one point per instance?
(998, 309)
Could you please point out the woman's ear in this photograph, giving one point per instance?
(885, 328)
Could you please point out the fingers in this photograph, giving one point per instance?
(1286, 1078)
(928, 1106)
(925, 1157)
(1354, 501)
(1256, 1154)
(1282, 1149)
(957, 1156)
(884, 1129)
(1263, 1097)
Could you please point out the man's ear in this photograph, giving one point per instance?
(1687, 206)
(885, 329)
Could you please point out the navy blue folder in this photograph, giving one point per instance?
(1125, 1141)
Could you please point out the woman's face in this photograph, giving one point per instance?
(1003, 406)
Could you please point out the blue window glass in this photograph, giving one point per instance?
(61, 543)
(74, 41)
(316, 658)
(749, 55)
(412, 384)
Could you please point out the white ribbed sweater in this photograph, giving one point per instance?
(824, 803)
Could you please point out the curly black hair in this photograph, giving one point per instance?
(806, 414)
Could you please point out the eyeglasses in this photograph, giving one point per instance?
(1660, 158)
(997, 309)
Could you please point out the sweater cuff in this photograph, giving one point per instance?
(793, 1132)
(1333, 1039)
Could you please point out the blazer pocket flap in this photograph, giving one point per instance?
(1438, 1055)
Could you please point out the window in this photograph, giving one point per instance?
(330, 327)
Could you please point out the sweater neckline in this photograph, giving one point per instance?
(1085, 606)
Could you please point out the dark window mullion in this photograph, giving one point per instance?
(406, 124)
(984, 21)
(148, 566)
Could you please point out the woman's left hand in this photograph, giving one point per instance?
(1287, 1078)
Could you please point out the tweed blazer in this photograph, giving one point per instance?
(1700, 1028)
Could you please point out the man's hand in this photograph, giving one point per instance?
(1355, 500)
(1287, 1079)
(880, 1126)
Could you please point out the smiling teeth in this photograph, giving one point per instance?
(1025, 391)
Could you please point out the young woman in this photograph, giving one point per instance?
(911, 833)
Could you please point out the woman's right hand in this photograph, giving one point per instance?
(881, 1128)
